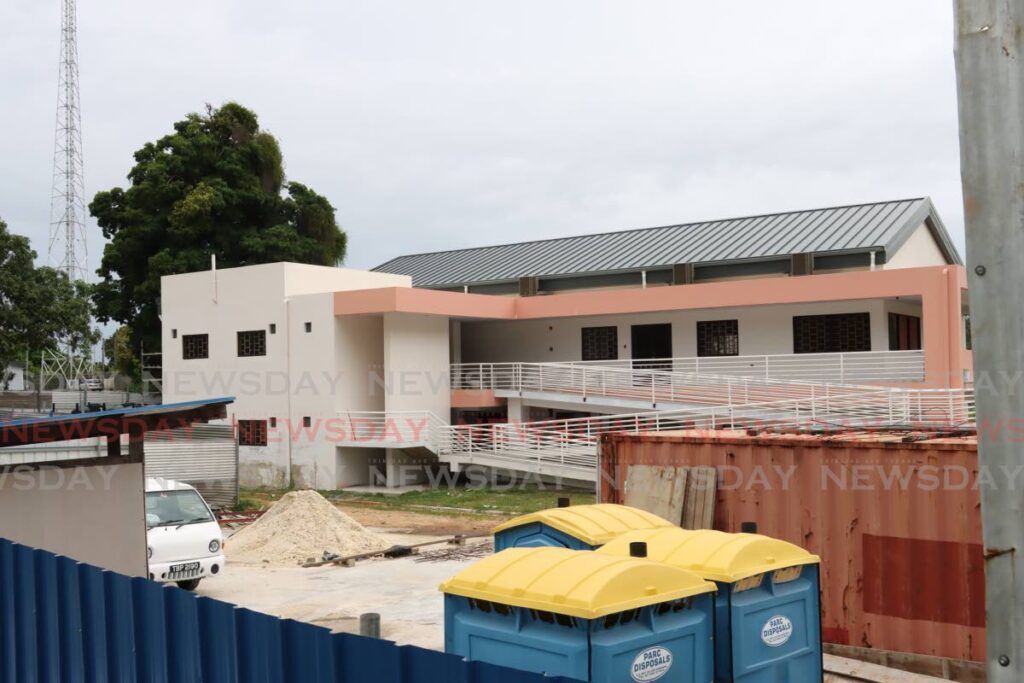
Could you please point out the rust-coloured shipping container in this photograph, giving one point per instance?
(896, 519)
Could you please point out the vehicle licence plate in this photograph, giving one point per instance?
(185, 569)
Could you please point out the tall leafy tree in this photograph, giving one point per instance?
(40, 308)
(215, 186)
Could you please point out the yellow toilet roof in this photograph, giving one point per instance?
(592, 524)
(714, 555)
(579, 583)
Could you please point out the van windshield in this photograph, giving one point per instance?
(167, 508)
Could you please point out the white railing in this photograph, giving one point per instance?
(571, 444)
(653, 387)
(568, 447)
(389, 429)
(842, 368)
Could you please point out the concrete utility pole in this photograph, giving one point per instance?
(990, 81)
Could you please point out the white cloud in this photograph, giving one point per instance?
(457, 123)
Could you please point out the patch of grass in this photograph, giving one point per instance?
(255, 499)
(490, 500)
(246, 504)
(471, 500)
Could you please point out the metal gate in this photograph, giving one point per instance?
(205, 456)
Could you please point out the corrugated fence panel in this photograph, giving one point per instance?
(65, 622)
(51, 452)
(205, 456)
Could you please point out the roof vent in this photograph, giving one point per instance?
(638, 549)
(529, 285)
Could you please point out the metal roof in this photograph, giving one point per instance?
(111, 423)
(882, 226)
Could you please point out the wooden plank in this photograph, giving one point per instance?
(657, 489)
(959, 670)
(699, 505)
(840, 670)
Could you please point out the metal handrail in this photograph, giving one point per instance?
(840, 368)
(652, 386)
(572, 443)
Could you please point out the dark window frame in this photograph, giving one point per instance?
(832, 333)
(718, 338)
(904, 332)
(252, 433)
(599, 343)
(195, 346)
(252, 343)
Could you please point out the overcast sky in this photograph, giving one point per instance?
(443, 124)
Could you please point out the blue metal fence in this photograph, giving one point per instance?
(66, 622)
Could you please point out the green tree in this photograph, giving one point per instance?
(40, 308)
(215, 186)
(121, 357)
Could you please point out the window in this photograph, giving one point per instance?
(252, 432)
(307, 421)
(600, 343)
(273, 328)
(718, 338)
(309, 327)
(904, 332)
(252, 343)
(194, 346)
(174, 333)
(175, 508)
(273, 422)
(835, 333)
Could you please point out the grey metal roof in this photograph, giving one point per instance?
(883, 226)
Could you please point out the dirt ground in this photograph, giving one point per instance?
(425, 524)
(404, 591)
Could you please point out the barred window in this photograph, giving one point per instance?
(252, 343)
(600, 343)
(718, 338)
(194, 346)
(252, 432)
(835, 333)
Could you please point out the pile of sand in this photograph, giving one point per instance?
(300, 526)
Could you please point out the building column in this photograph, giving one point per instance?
(940, 310)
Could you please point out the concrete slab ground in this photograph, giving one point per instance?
(402, 590)
(405, 594)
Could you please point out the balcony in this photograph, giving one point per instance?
(871, 367)
(393, 429)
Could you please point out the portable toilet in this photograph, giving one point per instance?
(582, 615)
(579, 527)
(767, 608)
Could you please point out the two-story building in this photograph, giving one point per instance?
(341, 373)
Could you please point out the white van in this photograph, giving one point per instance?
(185, 541)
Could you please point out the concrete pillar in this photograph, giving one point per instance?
(517, 412)
(940, 328)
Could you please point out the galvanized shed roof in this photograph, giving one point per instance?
(882, 226)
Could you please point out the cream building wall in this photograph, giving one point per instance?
(762, 330)
(919, 250)
(416, 377)
(304, 374)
